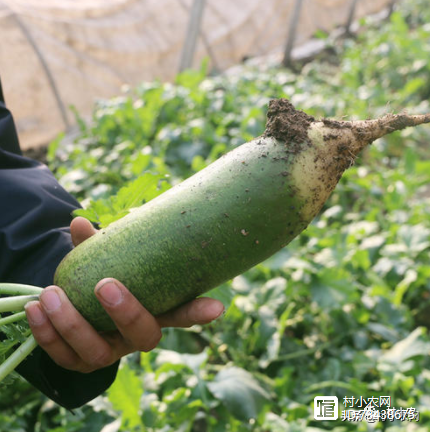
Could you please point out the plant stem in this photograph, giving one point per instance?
(17, 357)
(21, 295)
(12, 318)
(16, 303)
(13, 343)
(19, 289)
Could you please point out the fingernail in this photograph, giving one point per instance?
(34, 313)
(208, 311)
(110, 293)
(50, 299)
(221, 315)
(218, 309)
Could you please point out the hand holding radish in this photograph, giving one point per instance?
(74, 344)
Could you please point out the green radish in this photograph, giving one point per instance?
(225, 219)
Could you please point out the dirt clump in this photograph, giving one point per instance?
(285, 123)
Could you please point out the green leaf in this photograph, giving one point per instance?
(275, 423)
(193, 361)
(360, 259)
(125, 394)
(53, 147)
(384, 331)
(134, 194)
(402, 287)
(332, 289)
(239, 391)
(415, 344)
(191, 78)
(142, 190)
(415, 237)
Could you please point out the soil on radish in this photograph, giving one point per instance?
(285, 123)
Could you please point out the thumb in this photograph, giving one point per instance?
(80, 230)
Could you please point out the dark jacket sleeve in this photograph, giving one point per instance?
(34, 237)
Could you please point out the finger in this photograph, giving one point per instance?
(81, 229)
(49, 339)
(94, 351)
(138, 327)
(199, 311)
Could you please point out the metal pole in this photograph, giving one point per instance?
(292, 30)
(352, 8)
(45, 67)
(193, 30)
(391, 7)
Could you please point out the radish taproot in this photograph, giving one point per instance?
(225, 219)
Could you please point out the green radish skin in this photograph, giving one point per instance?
(225, 219)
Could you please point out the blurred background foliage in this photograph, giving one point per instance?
(344, 310)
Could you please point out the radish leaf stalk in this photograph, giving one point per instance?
(20, 354)
(14, 327)
(19, 289)
(15, 303)
(12, 318)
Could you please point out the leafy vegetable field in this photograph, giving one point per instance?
(343, 311)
